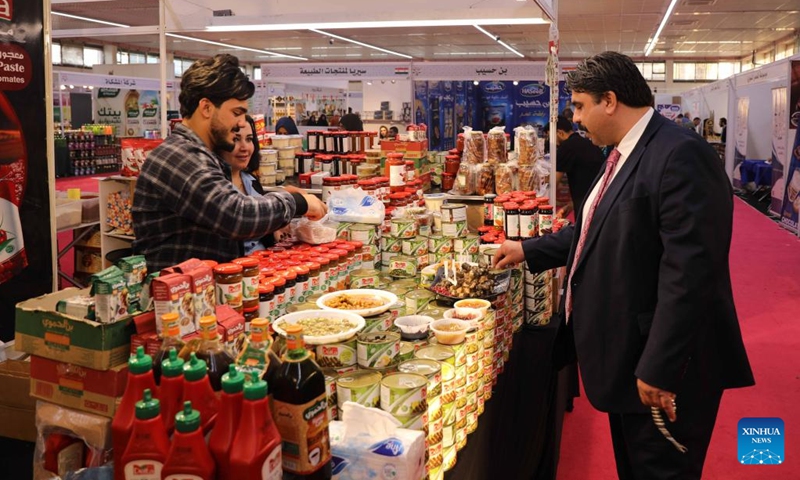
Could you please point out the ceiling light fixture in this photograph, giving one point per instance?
(87, 19)
(356, 42)
(459, 22)
(654, 40)
(235, 47)
(516, 82)
(476, 83)
(497, 39)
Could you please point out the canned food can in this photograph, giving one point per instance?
(473, 380)
(415, 247)
(392, 244)
(449, 458)
(337, 355)
(481, 402)
(469, 244)
(448, 382)
(434, 408)
(402, 266)
(461, 397)
(453, 213)
(378, 323)
(430, 369)
(473, 362)
(362, 387)
(406, 352)
(442, 353)
(461, 437)
(448, 435)
(366, 278)
(472, 421)
(487, 389)
(418, 300)
(343, 231)
(472, 400)
(449, 412)
(377, 349)
(461, 376)
(454, 230)
(474, 368)
(404, 394)
(417, 421)
(460, 351)
(364, 233)
(435, 427)
(403, 228)
(439, 244)
(343, 370)
(427, 275)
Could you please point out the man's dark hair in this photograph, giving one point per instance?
(611, 72)
(723, 120)
(564, 125)
(255, 158)
(218, 79)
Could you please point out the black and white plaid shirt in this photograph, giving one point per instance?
(185, 206)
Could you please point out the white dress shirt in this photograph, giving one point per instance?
(625, 148)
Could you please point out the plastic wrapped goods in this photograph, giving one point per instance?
(496, 151)
(527, 145)
(474, 147)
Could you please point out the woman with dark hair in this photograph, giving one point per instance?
(286, 126)
(244, 161)
(322, 121)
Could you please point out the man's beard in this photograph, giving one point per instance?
(220, 136)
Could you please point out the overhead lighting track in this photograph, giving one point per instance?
(497, 39)
(87, 19)
(235, 47)
(356, 42)
(654, 40)
(263, 27)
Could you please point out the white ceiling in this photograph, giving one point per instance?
(697, 29)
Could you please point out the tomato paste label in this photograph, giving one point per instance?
(143, 470)
(304, 430)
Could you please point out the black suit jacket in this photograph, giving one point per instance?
(652, 290)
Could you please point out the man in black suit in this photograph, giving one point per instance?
(579, 159)
(648, 306)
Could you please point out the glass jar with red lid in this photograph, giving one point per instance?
(359, 253)
(452, 163)
(410, 171)
(280, 294)
(266, 299)
(210, 263)
(291, 283)
(324, 273)
(460, 142)
(448, 181)
(341, 270)
(328, 184)
(395, 169)
(313, 276)
(303, 284)
(250, 277)
(333, 271)
(228, 278)
(396, 200)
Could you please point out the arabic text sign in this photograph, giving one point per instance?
(481, 71)
(348, 71)
(15, 67)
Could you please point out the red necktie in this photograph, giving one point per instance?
(611, 164)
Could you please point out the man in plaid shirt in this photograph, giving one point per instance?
(185, 205)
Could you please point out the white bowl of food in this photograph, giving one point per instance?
(476, 303)
(366, 302)
(450, 331)
(413, 327)
(469, 315)
(322, 327)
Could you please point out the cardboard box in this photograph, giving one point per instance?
(42, 331)
(407, 146)
(88, 259)
(73, 386)
(92, 241)
(17, 408)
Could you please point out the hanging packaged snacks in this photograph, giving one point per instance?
(496, 151)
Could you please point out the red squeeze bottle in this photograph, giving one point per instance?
(256, 449)
(197, 389)
(171, 388)
(148, 447)
(227, 421)
(140, 378)
(188, 458)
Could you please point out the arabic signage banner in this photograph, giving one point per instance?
(532, 103)
(130, 112)
(740, 152)
(478, 71)
(350, 71)
(110, 81)
(791, 193)
(669, 110)
(779, 139)
(26, 264)
(496, 101)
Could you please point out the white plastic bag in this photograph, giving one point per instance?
(314, 233)
(355, 206)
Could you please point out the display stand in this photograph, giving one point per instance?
(80, 233)
(110, 242)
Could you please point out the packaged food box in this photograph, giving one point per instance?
(17, 408)
(42, 330)
(172, 293)
(203, 292)
(111, 295)
(74, 386)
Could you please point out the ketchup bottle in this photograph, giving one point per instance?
(188, 457)
(148, 447)
(227, 421)
(256, 448)
(197, 389)
(171, 388)
(140, 377)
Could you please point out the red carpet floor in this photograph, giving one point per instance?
(765, 266)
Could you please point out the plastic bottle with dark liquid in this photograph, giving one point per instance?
(299, 408)
(211, 351)
(171, 331)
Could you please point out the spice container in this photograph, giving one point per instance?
(228, 278)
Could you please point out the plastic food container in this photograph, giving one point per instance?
(470, 315)
(476, 303)
(413, 327)
(450, 331)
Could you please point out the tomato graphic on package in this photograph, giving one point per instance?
(13, 176)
